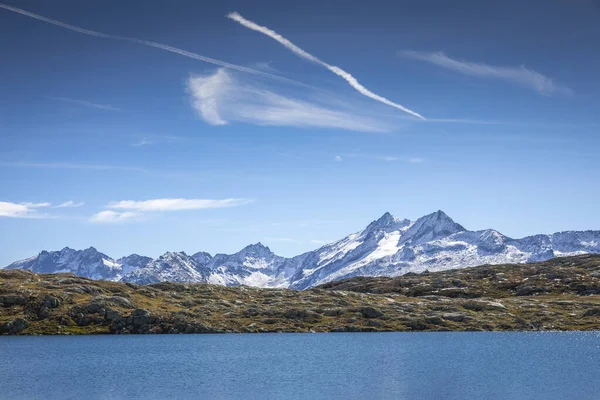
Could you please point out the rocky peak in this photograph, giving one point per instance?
(387, 222)
(255, 250)
(202, 257)
(431, 227)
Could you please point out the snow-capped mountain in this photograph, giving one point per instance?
(132, 262)
(172, 267)
(89, 263)
(254, 265)
(386, 247)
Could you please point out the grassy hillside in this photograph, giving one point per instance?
(563, 293)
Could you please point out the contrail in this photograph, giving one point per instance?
(336, 70)
(147, 43)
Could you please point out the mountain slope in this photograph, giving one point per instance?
(388, 246)
(172, 267)
(254, 265)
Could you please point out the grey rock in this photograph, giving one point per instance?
(140, 317)
(594, 312)
(12, 300)
(13, 327)
(456, 316)
(115, 301)
(370, 312)
(333, 312)
(51, 301)
(251, 312)
(113, 316)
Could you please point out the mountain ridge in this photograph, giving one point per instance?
(388, 246)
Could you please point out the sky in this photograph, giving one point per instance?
(146, 127)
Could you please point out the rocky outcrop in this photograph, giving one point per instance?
(14, 326)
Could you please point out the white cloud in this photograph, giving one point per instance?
(113, 216)
(517, 75)
(303, 54)
(36, 205)
(143, 142)
(176, 204)
(338, 159)
(70, 204)
(22, 210)
(138, 209)
(222, 97)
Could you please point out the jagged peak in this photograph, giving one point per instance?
(386, 220)
(436, 218)
(256, 246)
(432, 226)
(171, 254)
(256, 250)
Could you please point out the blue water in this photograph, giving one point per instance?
(303, 366)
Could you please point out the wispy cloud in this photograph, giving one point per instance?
(22, 210)
(222, 97)
(142, 142)
(108, 216)
(517, 75)
(303, 54)
(131, 209)
(146, 43)
(176, 204)
(70, 204)
(86, 104)
(264, 66)
(338, 158)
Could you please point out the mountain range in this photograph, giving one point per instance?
(388, 246)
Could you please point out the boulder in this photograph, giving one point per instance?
(114, 301)
(251, 312)
(455, 316)
(14, 326)
(370, 312)
(333, 312)
(594, 312)
(12, 300)
(51, 301)
(140, 317)
(302, 315)
(112, 316)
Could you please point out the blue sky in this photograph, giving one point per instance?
(150, 149)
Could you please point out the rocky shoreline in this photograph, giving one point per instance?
(559, 294)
